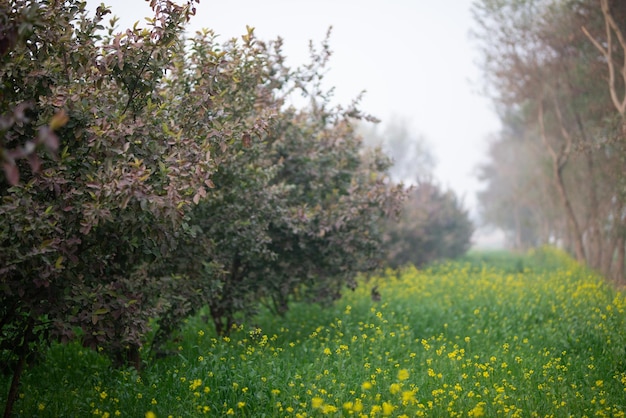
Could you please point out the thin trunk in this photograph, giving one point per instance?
(576, 235)
(594, 247)
(608, 256)
(221, 309)
(518, 229)
(558, 164)
(595, 240)
(17, 373)
(619, 266)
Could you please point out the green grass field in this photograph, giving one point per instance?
(491, 336)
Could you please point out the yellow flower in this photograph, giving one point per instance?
(317, 402)
(387, 409)
(150, 414)
(329, 409)
(195, 384)
(478, 410)
(408, 397)
(358, 406)
(41, 407)
(103, 395)
(366, 386)
(395, 388)
(241, 404)
(327, 351)
(403, 374)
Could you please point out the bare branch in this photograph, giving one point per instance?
(611, 26)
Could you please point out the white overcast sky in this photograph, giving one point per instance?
(414, 58)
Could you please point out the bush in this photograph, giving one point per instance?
(432, 226)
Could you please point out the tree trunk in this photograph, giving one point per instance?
(518, 229)
(17, 373)
(607, 256)
(576, 235)
(595, 246)
(619, 267)
(558, 164)
(221, 309)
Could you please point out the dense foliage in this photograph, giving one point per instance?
(433, 225)
(147, 175)
(534, 335)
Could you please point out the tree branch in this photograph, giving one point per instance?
(611, 26)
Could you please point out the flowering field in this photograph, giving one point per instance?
(531, 336)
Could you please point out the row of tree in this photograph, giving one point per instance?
(148, 175)
(557, 72)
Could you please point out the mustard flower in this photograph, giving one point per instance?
(317, 402)
(388, 409)
(478, 410)
(358, 406)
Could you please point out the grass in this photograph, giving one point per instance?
(534, 336)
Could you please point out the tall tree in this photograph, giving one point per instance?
(539, 61)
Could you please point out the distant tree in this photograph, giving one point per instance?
(432, 226)
(409, 153)
(517, 198)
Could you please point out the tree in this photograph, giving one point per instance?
(181, 180)
(409, 153)
(544, 67)
(89, 226)
(432, 226)
(295, 214)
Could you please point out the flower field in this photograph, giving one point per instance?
(518, 337)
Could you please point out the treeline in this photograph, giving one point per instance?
(148, 174)
(557, 72)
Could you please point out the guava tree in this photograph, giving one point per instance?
(103, 158)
